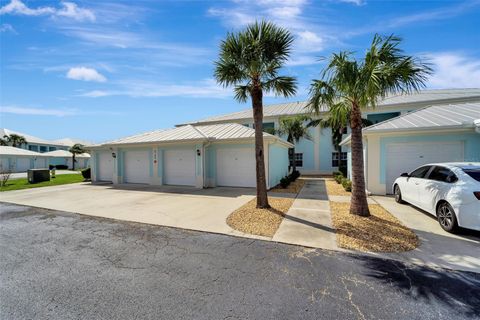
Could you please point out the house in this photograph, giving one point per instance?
(320, 155)
(63, 157)
(42, 145)
(197, 156)
(219, 151)
(20, 160)
(437, 133)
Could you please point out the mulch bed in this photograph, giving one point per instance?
(261, 222)
(381, 232)
(293, 187)
(335, 189)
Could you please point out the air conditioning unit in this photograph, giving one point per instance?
(38, 175)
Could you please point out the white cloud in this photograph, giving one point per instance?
(85, 74)
(68, 10)
(37, 112)
(454, 70)
(355, 2)
(71, 10)
(207, 88)
(7, 28)
(310, 37)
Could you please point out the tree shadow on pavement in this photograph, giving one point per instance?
(459, 291)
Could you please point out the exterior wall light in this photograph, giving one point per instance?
(114, 155)
(198, 152)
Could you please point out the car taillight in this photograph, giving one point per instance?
(477, 194)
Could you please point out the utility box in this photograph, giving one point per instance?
(38, 175)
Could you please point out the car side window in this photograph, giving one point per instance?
(420, 172)
(442, 174)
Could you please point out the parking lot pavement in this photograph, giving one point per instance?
(58, 265)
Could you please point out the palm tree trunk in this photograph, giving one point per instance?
(73, 162)
(294, 164)
(257, 104)
(359, 204)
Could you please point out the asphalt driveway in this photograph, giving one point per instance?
(57, 265)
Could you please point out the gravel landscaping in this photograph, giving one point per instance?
(335, 189)
(261, 222)
(381, 232)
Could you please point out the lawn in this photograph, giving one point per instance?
(19, 184)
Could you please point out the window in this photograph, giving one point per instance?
(339, 159)
(33, 148)
(420, 172)
(268, 127)
(474, 173)
(52, 148)
(43, 149)
(299, 160)
(442, 174)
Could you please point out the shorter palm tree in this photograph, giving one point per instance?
(295, 129)
(74, 150)
(15, 140)
(3, 141)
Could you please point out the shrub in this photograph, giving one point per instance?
(86, 173)
(294, 175)
(61, 167)
(51, 166)
(336, 173)
(343, 170)
(339, 178)
(347, 185)
(284, 182)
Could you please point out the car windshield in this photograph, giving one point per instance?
(474, 173)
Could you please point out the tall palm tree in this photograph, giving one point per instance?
(250, 61)
(3, 141)
(15, 140)
(295, 129)
(74, 150)
(349, 86)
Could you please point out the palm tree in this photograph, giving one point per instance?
(3, 141)
(74, 150)
(15, 140)
(295, 129)
(349, 86)
(250, 61)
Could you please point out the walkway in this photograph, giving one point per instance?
(308, 222)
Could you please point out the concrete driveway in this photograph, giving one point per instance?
(438, 248)
(181, 207)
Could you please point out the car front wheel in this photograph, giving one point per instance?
(398, 194)
(446, 217)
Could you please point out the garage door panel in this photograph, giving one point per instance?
(105, 166)
(179, 167)
(137, 167)
(23, 164)
(236, 167)
(405, 157)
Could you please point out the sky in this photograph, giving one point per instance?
(100, 70)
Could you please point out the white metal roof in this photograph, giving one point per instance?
(65, 142)
(12, 151)
(65, 154)
(204, 133)
(301, 107)
(440, 116)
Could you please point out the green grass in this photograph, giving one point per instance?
(19, 184)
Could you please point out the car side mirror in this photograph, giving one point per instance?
(405, 175)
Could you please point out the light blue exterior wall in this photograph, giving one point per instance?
(471, 145)
(278, 163)
(306, 147)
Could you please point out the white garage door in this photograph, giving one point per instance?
(41, 163)
(105, 166)
(405, 157)
(179, 167)
(137, 167)
(23, 164)
(236, 167)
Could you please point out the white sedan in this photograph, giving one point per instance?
(450, 191)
